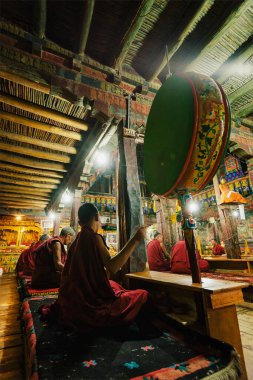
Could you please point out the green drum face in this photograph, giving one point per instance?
(186, 134)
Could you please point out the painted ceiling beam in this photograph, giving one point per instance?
(88, 6)
(21, 169)
(40, 125)
(42, 111)
(31, 163)
(40, 19)
(248, 122)
(239, 25)
(246, 110)
(202, 11)
(130, 35)
(241, 91)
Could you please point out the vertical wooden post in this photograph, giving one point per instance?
(40, 18)
(74, 210)
(56, 230)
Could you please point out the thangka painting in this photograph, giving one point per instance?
(8, 237)
(233, 168)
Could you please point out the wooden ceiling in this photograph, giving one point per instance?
(45, 135)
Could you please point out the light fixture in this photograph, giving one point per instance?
(66, 197)
(235, 213)
(18, 217)
(193, 207)
(101, 158)
(52, 215)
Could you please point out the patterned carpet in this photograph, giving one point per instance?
(122, 353)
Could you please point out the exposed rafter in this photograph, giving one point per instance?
(129, 37)
(40, 19)
(204, 8)
(248, 122)
(29, 177)
(40, 126)
(21, 169)
(239, 25)
(35, 153)
(20, 206)
(24, 196)
(32, 163)
(38, 142)
(246, 110)
(28, 202)
(28, 183)
(24, 81)
(42, 111)
(88, 6)
(241, 91)
(25, 190)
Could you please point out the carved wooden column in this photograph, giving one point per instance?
(74, 210)
(56, 229)
(228, 225)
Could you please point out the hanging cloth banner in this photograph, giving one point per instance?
(233, 168)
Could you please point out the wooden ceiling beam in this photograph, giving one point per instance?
(40, 19)
(27, 183)
(23, 196)
(29, 177)
(248, 122)
(24, 81)
(245, 110)
(40, 126)
(88, 6)
(32, 163)
(241, 91)
(38, 142)
(131, 33)
(20, 206)
(21, 169)
(35, 153)
(25, 190)
(23, 201)
(201, 12)
(42, 111)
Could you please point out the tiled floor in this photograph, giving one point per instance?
(245, 318)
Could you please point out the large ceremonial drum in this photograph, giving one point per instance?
(187, 134)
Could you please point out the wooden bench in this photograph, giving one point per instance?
(221, 262)
(211, 304)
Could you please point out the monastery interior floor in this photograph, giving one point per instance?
(12, 347)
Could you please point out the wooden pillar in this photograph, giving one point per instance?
(250, 172)
(130, 215)
(74, 210)
(40, 18)
(228, 225)
(56, 230)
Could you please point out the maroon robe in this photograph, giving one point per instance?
(20, 263)
(86, 296)
(45, 275)
(156, 259)
(180, 260)
(218, 250)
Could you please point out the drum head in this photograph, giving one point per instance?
(170, 134)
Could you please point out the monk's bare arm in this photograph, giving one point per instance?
(57, 257)
(113, 264)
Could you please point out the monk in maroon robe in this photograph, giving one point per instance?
(217, 248)
(158, 257)
(180, 260)
(26, 262)
(50, 258)
(87, 298)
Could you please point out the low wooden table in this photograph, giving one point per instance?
(215, 302)
(222, 262)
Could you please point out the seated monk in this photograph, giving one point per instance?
(230, 196)
(180, 261)
(26, 263)
(217, 248)
(158, 257)
(50, 258)
(87, 298)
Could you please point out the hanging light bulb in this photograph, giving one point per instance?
(66, 197)
(18, 217)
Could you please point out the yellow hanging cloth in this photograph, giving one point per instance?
(198, 244)
(247, 250)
